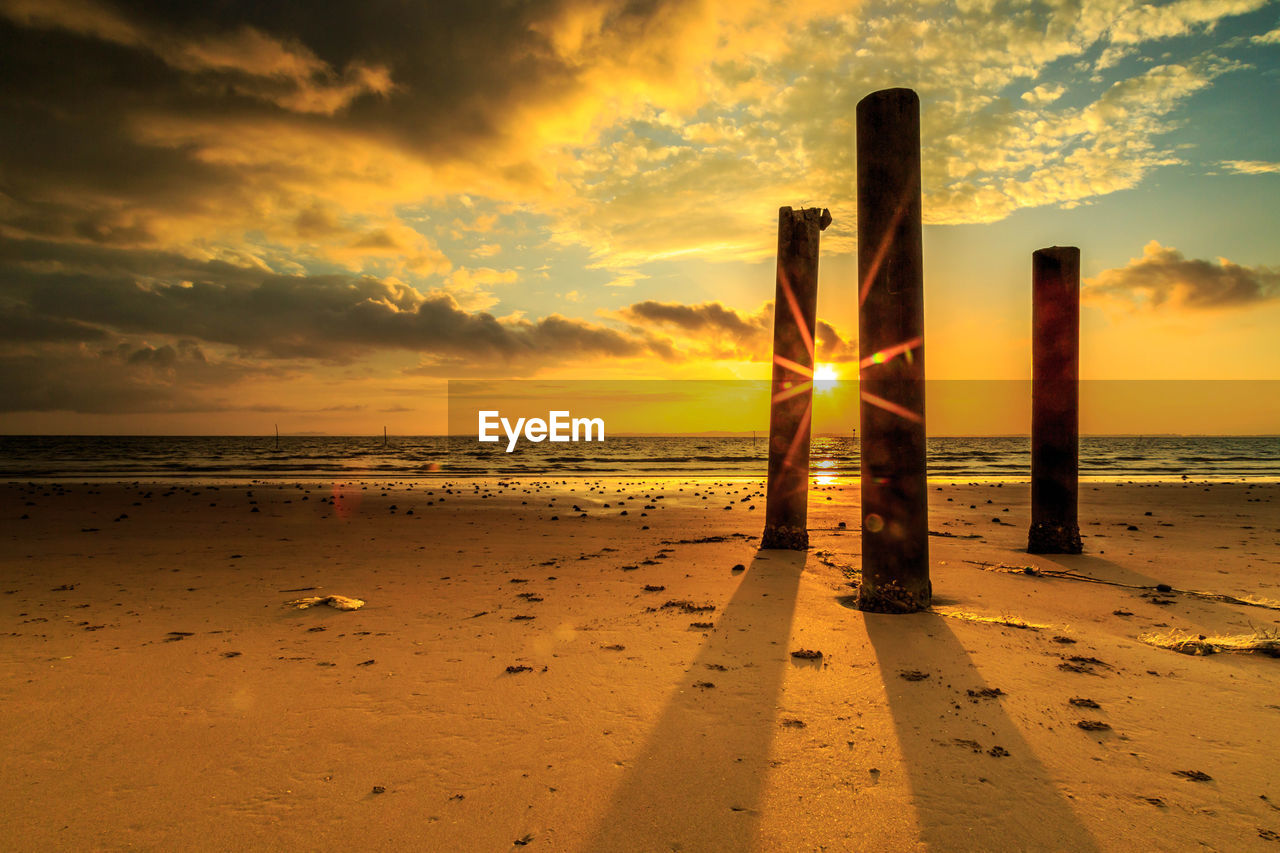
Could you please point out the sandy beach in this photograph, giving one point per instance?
(594, 665)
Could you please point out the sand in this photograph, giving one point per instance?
(514, 681)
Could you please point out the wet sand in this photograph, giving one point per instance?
(521, 676)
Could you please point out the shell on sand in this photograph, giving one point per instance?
(341, 602)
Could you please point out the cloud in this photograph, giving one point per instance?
(717, 331)
(1044, 94)
(123, 374)
(334, 317)
(102, 329)
(1272, 37)
(1147, 22)
(1112, 56)
(998, 132)
(642, 131)
(301, 190)
(20, 325)
(258, 65)
(1251, 167)
(1164, 278)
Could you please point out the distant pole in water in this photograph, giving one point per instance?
(795, 306)
(384, 436)
(277, 436)
(895, 520)
(1055, 401)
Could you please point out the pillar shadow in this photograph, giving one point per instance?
(1098, 568)
(1182, 607)
(967, 794)
(696, 783)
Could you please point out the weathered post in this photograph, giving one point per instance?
(895, 522)
(1055, 401)
(795, 308)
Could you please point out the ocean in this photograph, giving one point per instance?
(1150, 458)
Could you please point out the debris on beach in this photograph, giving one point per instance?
(1006, 620)
(686, 606)
(1193, 775)
(1261, 642)
(806, 654)
(339, 602)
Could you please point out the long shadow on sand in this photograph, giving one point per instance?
(1098, 568)
(968, 793)
(696, 783)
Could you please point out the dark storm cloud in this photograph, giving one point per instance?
(89, 90)
(19, 324)
(122, 377)
(66, 289)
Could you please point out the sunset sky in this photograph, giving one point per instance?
(216, 217)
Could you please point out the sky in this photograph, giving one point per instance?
(220, 217)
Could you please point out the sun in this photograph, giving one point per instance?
(825, 373)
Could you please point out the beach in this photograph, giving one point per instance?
(608, 664)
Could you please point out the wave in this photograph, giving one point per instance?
(135, 457)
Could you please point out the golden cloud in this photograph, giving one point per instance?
(1164, 278)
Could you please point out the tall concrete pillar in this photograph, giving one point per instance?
(795, 307)
(895, 522)
(1055, 401)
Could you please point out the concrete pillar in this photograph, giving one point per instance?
(1055, 401)
(791, 393)
(895, 522)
